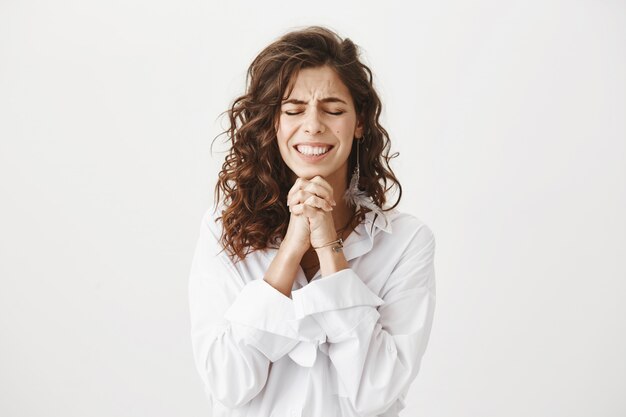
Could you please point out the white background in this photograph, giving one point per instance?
(510, 122)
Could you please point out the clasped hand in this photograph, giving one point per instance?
(311, 203)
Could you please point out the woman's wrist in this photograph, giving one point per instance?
(336, 244)
(331, 259)
(291, 250)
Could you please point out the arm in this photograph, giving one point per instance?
(376, 345)
(282, 271)
(237, 328)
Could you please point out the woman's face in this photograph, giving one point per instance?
(318, 117)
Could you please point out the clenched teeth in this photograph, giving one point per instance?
(312, 150)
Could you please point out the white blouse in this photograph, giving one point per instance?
(345, 344)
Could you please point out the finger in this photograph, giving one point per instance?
(297, 197)
(297, 209)
(295, 187)
(320, 191)
(318, 179)
(302, 196)
(298, 184)
(315, 201)
(304, 209)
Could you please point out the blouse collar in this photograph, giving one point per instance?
(381, 220)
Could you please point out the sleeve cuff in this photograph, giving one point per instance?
(343, 289)
(263, 307)
(273, 346)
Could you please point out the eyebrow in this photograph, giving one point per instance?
(324, 100)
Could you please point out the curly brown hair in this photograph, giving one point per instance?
(254, 179)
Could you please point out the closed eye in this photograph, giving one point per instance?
(296, 113)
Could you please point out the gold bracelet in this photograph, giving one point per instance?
(336, 248)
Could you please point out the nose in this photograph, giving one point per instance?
(312, 124)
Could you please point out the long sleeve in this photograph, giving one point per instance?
(237, 328)
(376, 344)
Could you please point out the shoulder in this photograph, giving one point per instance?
(210, 221)
(407, 227)
(211, 231)
(407, 237)
(403, 259)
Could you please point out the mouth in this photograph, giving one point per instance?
(313, 153)
(312, 150)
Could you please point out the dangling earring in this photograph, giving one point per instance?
(353, 196)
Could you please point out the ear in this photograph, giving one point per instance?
(358, 131)
(276, 120)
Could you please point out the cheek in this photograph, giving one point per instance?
(281, 134)
(286, 129)
(283, 137)
(282, 143)
(344, 127)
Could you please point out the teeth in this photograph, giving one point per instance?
(312, 150)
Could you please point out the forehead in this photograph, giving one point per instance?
(318, 83)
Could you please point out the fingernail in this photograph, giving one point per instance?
(334, 203)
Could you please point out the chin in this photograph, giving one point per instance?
(309, 173)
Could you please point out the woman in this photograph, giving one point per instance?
(306, 297)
